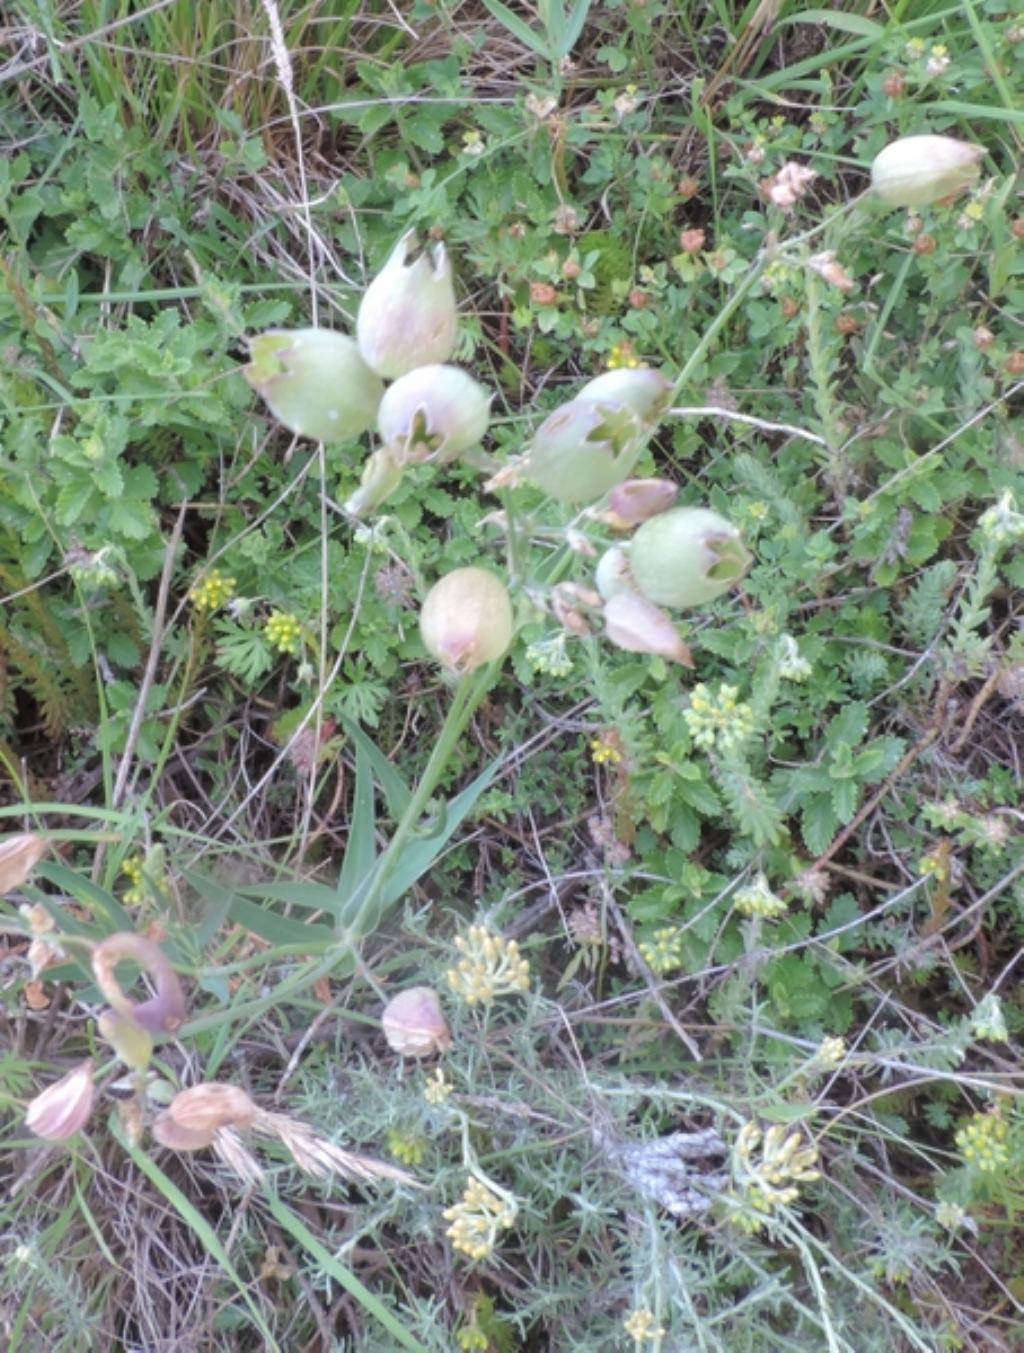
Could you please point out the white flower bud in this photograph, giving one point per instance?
(612, 574)
(645, 392)
(636, 625)
(466, 619)
(917, 170)
(407, 316)
(63, 1108)
(436, 410)
(687, 557)
(583, 449)
(414, 1024)
(314, 382)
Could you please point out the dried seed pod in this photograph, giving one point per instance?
(414, 1023)
(915, 171)
(466, 619)
(314, 382)
(687, 557)
(636, 500)
(19, 855)
(407, 317)
(63, 1109)
(636, 625)
(194, 1115)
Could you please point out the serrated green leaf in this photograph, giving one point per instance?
(818, 823)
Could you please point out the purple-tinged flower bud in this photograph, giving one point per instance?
(19, 855)
(645, 392)
(381, 476)
(466, 619)
(63, 1108)
(163, 1013)
(437, 411)
(407, 316)
(636, 500)
(314, 382)
(635, 624)
(414, 1023)
(612, 574)
(583, 449)
(917, 170)
(687, 556)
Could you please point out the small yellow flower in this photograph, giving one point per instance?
(767, 1167)
(663, 953)
(215, 590)
(284, 633)
(982, 1141)
(718, 719)
(490, 966)
(604, 752)
(408, 1150)
(472, 1338)
(757, 899)
(831, 1052)
(622, 356)
(639, 1325)
(479, 1218)
(437, 1089)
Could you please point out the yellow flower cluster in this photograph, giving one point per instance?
(622, 357)
(472, 1338)
(718, 718)
(768, 1167)
(639, 1325)
(490, 966)
(132, 869)
(213, 592)
(437, 1090)
(283, 632)
(663, 953)
(982, 1141)
(757, 899)
(831, 1051)
(604, 753)
(479, 1218)
(409, 1150)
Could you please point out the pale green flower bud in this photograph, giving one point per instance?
(314, 382)
(381, 476)
(612, 574)
(466, 619)
(643, 391)
(63, 1108)
(436, 411)
(917, 170)
(583, 449)
(407, 316)
(637, 500)
(132, 1043)
(687, 557)
(636, 625)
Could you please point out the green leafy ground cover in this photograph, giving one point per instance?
(762, 1090)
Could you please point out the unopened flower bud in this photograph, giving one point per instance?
(612, 574)
(894, 85)
(917, 170)
(63, 1108)
(583, 449)
(133, 1044)
(466, 619)
(436, 410)
(636, 625)
(314, 382)
(983, 338)
(637, 500)
(642, 390)
(381, 476)
(692, 241)
(414, 1024)
(407, 316)
(687, 556)
(19, 855)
